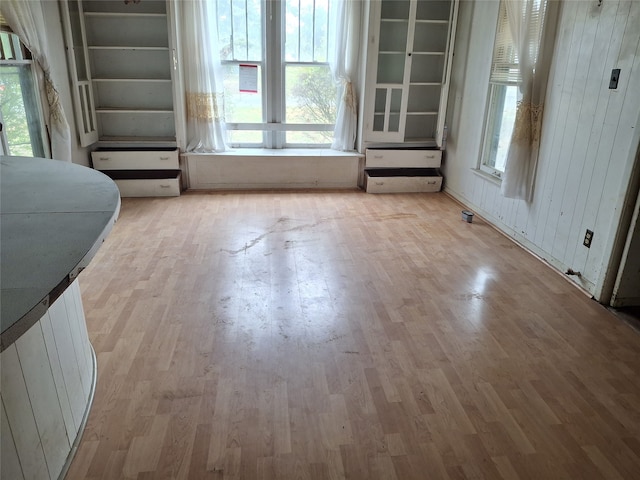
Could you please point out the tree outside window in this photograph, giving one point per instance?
(19, 107)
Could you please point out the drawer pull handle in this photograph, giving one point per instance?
(165, 186)
(429, 156)
(379, 183)
(164, 158)
(105, 158)
(431, 183)
(378, 156)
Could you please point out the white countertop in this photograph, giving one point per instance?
(53, 217)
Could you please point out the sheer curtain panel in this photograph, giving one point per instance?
(202, 77)
(532, 24)
(344, 63)
(26, 19)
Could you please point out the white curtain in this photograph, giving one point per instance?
(533, 36)
(344, 63)
(202, 77)
(26, 19)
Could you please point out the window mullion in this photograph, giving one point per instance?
(274, 46)
(233, 42)
(313, 38)
(246, 26)
(299, 29)
(329, 32)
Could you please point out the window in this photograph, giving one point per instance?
(504, 83)
(503, 99)
(284, 46)
(20, 112)
(503, 102)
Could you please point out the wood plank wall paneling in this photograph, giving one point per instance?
(269, 169)
(43, 398)
(589, 134)
(315, 335)
(68, 360)
(8, 453)
(56, 369)
(15, 399)
(44, 393)
(620, 125)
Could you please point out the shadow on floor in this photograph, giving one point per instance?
(631, 315)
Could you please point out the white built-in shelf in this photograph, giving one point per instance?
(118, 6)
(125, 47)
(133, 110)
(116, 29)
(131, 63)
(124, 14)
(141, 80)
(419, 142)
(436, 22)
(137, 139)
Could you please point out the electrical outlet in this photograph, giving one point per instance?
(588, 238)
(615, 76)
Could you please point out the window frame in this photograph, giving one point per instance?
(273, 65)
(493, 121)
(505, 73)
(492, 124)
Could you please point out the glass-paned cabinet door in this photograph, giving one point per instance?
(77, 55)
(392, 69)
(408, 68)
(387, 110)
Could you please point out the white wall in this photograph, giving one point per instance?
(589, 138)
(60, 75)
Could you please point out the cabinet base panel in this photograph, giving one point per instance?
(402, 180)
(149, 187)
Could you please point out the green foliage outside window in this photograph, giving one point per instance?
(14, 115)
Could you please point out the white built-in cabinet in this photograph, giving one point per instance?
(122, 62)
(78, 60)
(123, 52)
(409, 56)
(131, 64)
(408, 66)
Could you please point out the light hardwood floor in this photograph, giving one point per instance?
(330, 335)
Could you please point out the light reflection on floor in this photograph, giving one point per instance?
(290, 296)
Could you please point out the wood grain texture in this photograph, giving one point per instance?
(340, 335)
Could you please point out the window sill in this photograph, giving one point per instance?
(487, 176)
(281, 152)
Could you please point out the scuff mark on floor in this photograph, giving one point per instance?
(271, 230)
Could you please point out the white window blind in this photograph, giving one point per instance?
(504, 68)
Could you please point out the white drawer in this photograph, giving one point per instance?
(403, 158)
(149, 187)
(135, 160)
(402, 184)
